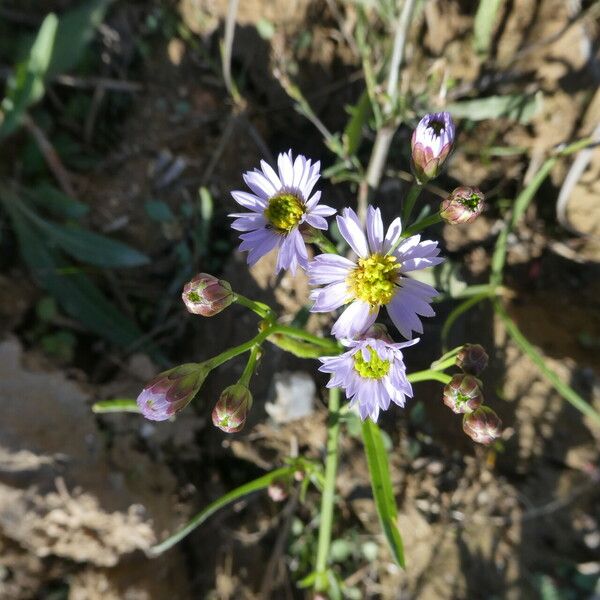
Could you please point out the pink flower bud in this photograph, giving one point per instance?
(432, 141)
(472, 359)
(278, 490)
(483, 425)
(206, 295)
(463, 394)
(463, 205)
(230, 412)
(171, 391)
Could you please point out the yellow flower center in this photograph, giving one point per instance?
(374, 279)
(374, 368)
(284, 211)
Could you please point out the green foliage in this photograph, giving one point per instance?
(519, 107)
(381, 485)
(26, 86)
(239, 492)
(118, 405)
(485, 20)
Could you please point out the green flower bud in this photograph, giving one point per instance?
(206, 295)
(472, 359)
(230, 412)
(463, 394)
(463, 205)
(483, 425)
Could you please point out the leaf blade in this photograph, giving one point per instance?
(381, 485)
(228, 498)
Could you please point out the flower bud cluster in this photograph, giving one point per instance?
(464, 395)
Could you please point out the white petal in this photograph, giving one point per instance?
(331, 297)
(259, 184)
(353, 233)
(375, 229)
(354, 320)
(270, 174)
(249, 201)
(393, 233)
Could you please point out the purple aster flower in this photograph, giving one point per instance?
(431, 143)
(372, 373)
(280, 203)
(378, 277)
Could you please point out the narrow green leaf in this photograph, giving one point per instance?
(76, 294)
(359, 114)
(381, 485)
(459, 310)
(86, 246)
(57, 202)
(26, 86)
(75, 30)
(520, 107)
(566, 391)
(485, 19)
(116, 406)
(248, 488)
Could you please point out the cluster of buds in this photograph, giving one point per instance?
(463, 395)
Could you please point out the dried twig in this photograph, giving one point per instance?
(50, 155)
(384, 136)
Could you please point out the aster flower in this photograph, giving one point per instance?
(281, 201)
(372, 373)
(431, 143)
(378, 277)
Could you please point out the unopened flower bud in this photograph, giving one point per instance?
(483, 425)
(463, 205)
(299, 475)
(230, 412)
(171, 391)
(431, 143)
(472, 359)
(278, 490)
(463, 394)
(206, 295)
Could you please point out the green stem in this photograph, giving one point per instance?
(422, 224)
(258, 339)
(325, 245)
(250, 365)
(442, 365)
(327, 499)
(411, 198)
(295, 332)
(428, 375)
(262, 310)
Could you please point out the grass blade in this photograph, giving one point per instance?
(202, 516)
(485, 19)
(382, 488)
(565, 390)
